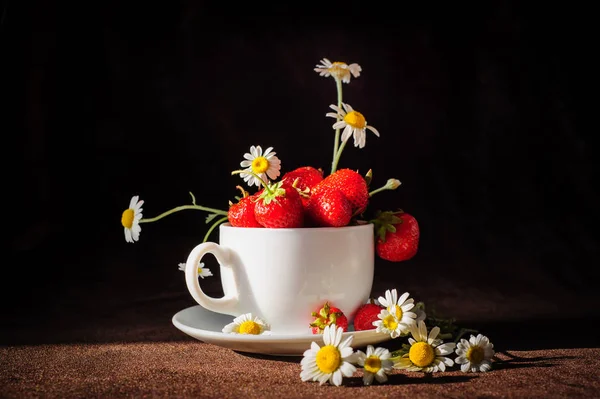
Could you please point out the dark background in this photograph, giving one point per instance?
(479, 108)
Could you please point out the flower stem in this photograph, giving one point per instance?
(265, 185)
(336, 142)
(337, 157)
(215, 224)
(182, 208)
(391, 184)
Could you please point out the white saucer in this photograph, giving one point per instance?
(206, 326)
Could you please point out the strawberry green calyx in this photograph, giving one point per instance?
(244, 192)
(303, 193)
(369, 177)
(391, 184)
(385, 222)
(325, 317)
(271, 192)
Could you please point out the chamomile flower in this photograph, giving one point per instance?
(426, 353)
(339, 70)
(247, 324)
(475, 354)
(331, 362)
(376, 363)
(261, 164)
(202, 271)
(353, 123)
(396, 318)
(131, 219)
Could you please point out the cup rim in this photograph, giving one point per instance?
(228, 225)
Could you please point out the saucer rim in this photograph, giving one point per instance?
(273, 337)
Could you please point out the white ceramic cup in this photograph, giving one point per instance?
(282, 275)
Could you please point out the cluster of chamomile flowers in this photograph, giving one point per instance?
(425, 351)
(264, 165)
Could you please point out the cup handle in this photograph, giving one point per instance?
(228, 303)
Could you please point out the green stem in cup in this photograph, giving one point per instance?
(215, 224)
(183, 208)
(337, 157)
(391, 184)
(336, 142)
(265, 185)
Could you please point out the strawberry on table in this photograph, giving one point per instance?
(397, 236)
(326, 316)
(366, 315)
(279, 206)
(241, 214)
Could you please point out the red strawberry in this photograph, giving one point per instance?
(353, 185)
(307, 176)
(326, 316)
(279, 206)
(304, 179)
(366, 315)
(397, 236)
(241, 214)
(329, 207)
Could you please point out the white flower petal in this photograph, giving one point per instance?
(133, 201)
(445, 349)
(347, 132)
(339, 124)
(347, 369)
(128, 237)
(336, 378)
(447, 361)
(371, 128)
(402, 298)
(435, 331)
(381, 377)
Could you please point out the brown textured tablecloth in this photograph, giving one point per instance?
(192, 369)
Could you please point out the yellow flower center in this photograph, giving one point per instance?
(328, 359)
(339, 64)
(372, 364)
(475, 354)
(249, 327)
(127, 218)
(421, 354)
(398, 311)
(355, 119)
(260, 165)
(390, 322)
(339, 70)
